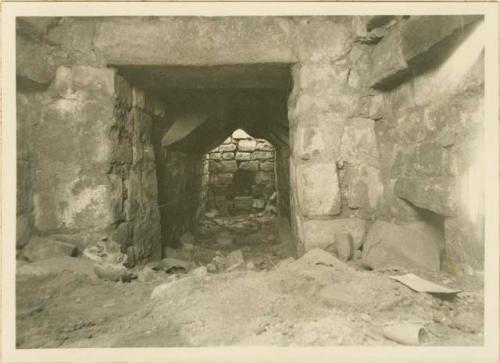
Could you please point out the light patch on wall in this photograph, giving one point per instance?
(462, 59)
(89, 198)
(472, 188)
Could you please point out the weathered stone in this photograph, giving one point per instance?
(412, 44)
(343, 246)
(121, 234)
(227, 148)
(314, 142)
(227, 156)
(41, 248)
(220, 263)
(264, 146)
(235, 258)
(359, 143)
(226, 166)
(318, 189)
(216, 156)
(324, 38)
(464, 243)
(28, 64)
(249, 165)
(240, 134)
(262, 155)
(243, 156)
(247, 145)
(266, 166)
(113, 272)
(172, 264)
(321, 233)
(407, 246)
(365, 187)
(372, 22)
(434, 194)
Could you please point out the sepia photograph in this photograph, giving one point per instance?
(250, 180)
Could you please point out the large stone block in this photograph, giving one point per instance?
(324, 38)
(414, 44)
(321, 233)
(247, 145)
(364, 186)
(99, 81)
(196, 40)
(407, 246)
(318, 189)
(435, 194)
(359, 142)
(32, 62)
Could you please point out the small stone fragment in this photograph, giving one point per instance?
(235, 258)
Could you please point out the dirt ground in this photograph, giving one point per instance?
(269, 299)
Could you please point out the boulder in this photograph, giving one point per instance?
(40, 248)
(410, 246)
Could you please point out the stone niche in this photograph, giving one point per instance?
(241, 174)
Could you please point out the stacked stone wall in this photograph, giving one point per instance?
(241, 159)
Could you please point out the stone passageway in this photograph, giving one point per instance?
(205, 181)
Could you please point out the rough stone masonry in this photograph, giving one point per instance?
(377, 123)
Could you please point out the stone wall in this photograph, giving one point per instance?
(430, 132)
(383, 136)
(385, 146)
(241, 174)
(180, 183)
